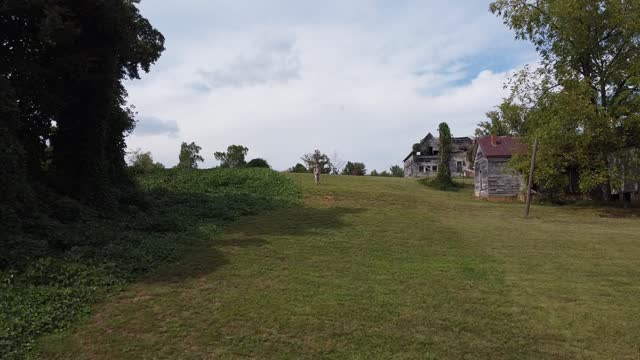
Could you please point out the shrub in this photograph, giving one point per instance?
(258, 163)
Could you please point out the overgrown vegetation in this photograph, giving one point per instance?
(174, 209)
(583, 102)
(442, 181)
(63, 112)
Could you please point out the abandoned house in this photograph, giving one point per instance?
(494, 177)
(424, 159)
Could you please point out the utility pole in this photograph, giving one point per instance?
(530, 185)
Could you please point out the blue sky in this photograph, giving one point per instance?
(363, 79)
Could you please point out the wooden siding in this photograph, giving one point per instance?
(494, 177)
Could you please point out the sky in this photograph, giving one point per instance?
(360, 79)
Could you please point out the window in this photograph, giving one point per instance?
(459, 167)
(435, 168)
(422, 169)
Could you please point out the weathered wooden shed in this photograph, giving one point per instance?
(494, 177)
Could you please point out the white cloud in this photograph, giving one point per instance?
(368, 84)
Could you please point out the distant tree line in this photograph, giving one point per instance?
(189, 157)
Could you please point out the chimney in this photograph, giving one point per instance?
(494, 140)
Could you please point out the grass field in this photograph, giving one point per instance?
(384, 268)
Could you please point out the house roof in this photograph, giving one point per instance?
(454, 140)
(506, 146)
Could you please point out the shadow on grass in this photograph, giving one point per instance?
(200, 217)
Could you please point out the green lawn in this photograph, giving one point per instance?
(382, 268)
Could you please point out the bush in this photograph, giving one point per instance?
(298, 168)
(258, 163)
(439, 184)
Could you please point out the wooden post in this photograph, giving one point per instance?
(530, 185)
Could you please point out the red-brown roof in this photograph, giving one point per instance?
(506, 146)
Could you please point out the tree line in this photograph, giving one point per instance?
(189, 158)
(334, 165)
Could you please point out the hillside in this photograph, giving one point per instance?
(384, 268)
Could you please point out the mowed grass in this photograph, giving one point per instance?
(384, 268)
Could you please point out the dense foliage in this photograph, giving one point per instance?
(234, 157)
(175, 209)
(354, 168)
(189, 156)
(63, 111)
(396, 171)
(583, 102)
(142, 162)
(258, 163)
(298, 168)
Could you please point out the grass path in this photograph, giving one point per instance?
(382, 268)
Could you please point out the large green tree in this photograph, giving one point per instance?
(354, 168)
(63, 110)
(507, 119)
(396, 171)
(189, 156)
(234, 157)
(142, 162)
(582, 103)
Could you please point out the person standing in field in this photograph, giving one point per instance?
(316, 174)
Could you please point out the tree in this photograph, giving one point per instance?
(374, 173)
(337, 164)
(233, 158)
(298, 168)
(142, 162)
(507, 119)
(356, 169)
(258, 163)
(385, 174)
(63, 110)
(396, 171)
(320, 159)
(587, 89)
(189, 156)
(444, 173)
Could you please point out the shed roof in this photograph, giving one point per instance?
(506, 146)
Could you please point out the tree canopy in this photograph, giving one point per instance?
(582, 102)
(189, 156)
(63, 109)
(396, 171)
(258, 163)
(142, 162)
(298, 168)
(354, 168)
(234, 157)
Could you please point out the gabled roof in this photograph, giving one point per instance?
(506, 146)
